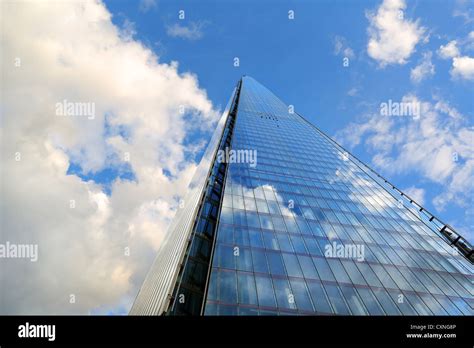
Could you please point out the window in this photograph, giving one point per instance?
(384, 277)
(278, 224)
(312, 246)
(240, 218)
(353, 272)
(307, 266)
(247, 290)
(225, 234)
(284, 295)
(244, 260)
(276, 264)
(255, 237)
(270, 241)
(316, 229)
(448, 306)
(370, 302)
(386, 302)
(241, 236)
(303, 226)
(273, 208)
(336, 300)
(284, 242)
(434, 305)
(226, 256)
(323, 269)
(302, 297)
(226, 216)
(353, 300)
(338, 271)
(298, 244)
(463, 306)
(292, 265)
(368, 274)
(250, 204)
(227, 287)
(259, 261)
(262, 206)
(417, 303)
(402, 303)
(398, 278)
(211, 309)
(265, 294)
(291, 225)
(266, 222)
(238, 202)
(212, 288)
(252, 220)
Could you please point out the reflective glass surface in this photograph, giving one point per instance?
(307, 230)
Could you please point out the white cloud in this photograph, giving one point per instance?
(341, 47)
(353, 92)
(463, 9)
(463, 67)
(449, 51)
(437, 146)
(147, 5)
(71, 50)
(194, 31)
(392, 38)
(469, 42)
(415, 193)
(424, 69)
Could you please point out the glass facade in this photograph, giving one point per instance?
(279, 218)
(308, 229)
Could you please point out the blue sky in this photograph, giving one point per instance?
(301, 61)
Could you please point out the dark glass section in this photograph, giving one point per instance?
(190, 287)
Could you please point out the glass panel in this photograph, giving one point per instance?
(417, 303)
(336, 299)
(276, 264)
(323, 269)
(256, 240)
(227, 287)
(386, 302)
(259, 261)
(319, 297)
(292, 265)
(302, 296)
(247, 290)
(353, 300)
(370, 302)
(266, 297)
(353, 272)
(244, 260)
(284, 295)
(338, 271)
(307, 266)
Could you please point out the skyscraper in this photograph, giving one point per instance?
(281, 220)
